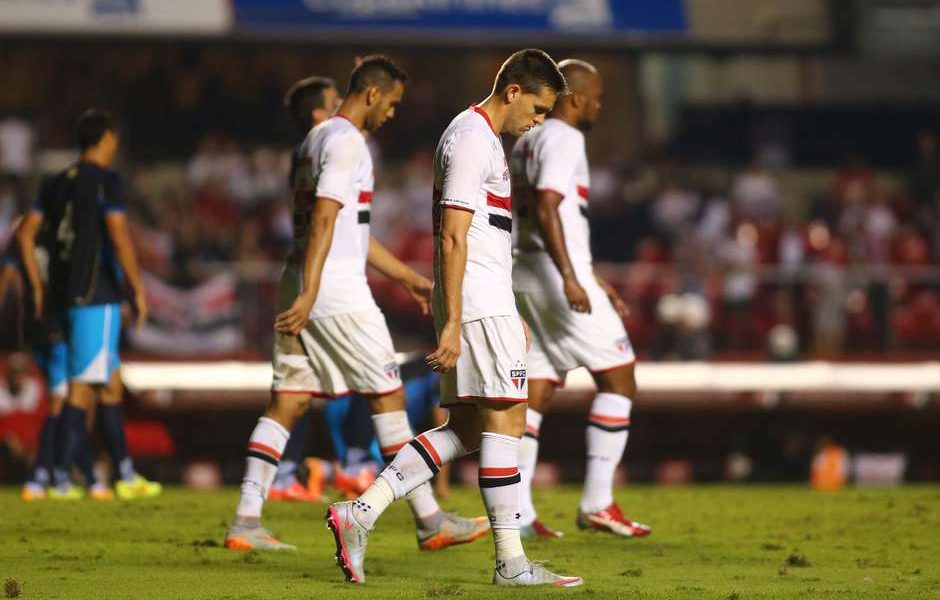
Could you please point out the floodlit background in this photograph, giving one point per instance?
(765, 192)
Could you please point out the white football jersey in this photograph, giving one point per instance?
(334, 162)
(471, 174)
(552, 157)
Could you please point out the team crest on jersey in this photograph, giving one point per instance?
(623, 344)
(517, 376)
(391, 370)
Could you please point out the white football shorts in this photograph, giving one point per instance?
(492, 363)
(334, 356)
(563, 339)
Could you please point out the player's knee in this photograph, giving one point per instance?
(540, 395)
(287, 408)
(465, 422)
(56, 403)
(387, 403)
(81, 395)
(619, 381)
(504, 418)
(113, 391)
(469, 438)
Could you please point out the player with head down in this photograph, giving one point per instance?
(331, 337)
(309, 102)
(575, 316)
(481, 349)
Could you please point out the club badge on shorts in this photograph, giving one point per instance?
(391, 370)
(623, 344)
(517, 376)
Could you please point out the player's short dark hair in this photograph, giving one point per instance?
(306, 96)
(375, 70)
(531, 69)
(92, 126)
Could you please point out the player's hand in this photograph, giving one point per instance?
(528, 335)
(38, 306)
(294, 319)
(140, 307)
(420, 289)
(445, 357)
(623, 311)
(577, 298)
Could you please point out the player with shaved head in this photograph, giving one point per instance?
(575, 316)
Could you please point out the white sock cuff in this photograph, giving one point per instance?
(613, 405)
(394, 420)
(392, 431)
(277, 427)
(499, 438)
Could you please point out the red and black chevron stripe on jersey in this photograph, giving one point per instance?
(264, 452)
(503, 202)
(491, 477)
(608, 423)
(501, 222)
(532, 432)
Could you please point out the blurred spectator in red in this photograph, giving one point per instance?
(20, 407)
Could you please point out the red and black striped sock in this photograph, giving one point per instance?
(528, 458)
(265, 447)
(414, 465)
(607, 431)
(499, 486)
(393, 432)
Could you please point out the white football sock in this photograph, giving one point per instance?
(415, 464)
(608, 426)
(528, 457)
(393, 431)
(265, 446)
(499, 486)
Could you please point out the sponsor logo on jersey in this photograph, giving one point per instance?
(517, 376)
(391, 370)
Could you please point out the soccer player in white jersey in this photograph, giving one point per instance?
(481, 349)
(331, 337)
(575, 316)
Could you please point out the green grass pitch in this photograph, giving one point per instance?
(721, 543)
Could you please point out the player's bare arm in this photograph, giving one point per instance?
(619, 305)
(119, 233)
(386, 263)
(26, 239)
(453, 262)
(319, 239)
(549, 224)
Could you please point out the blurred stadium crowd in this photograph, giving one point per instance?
(753, 261)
